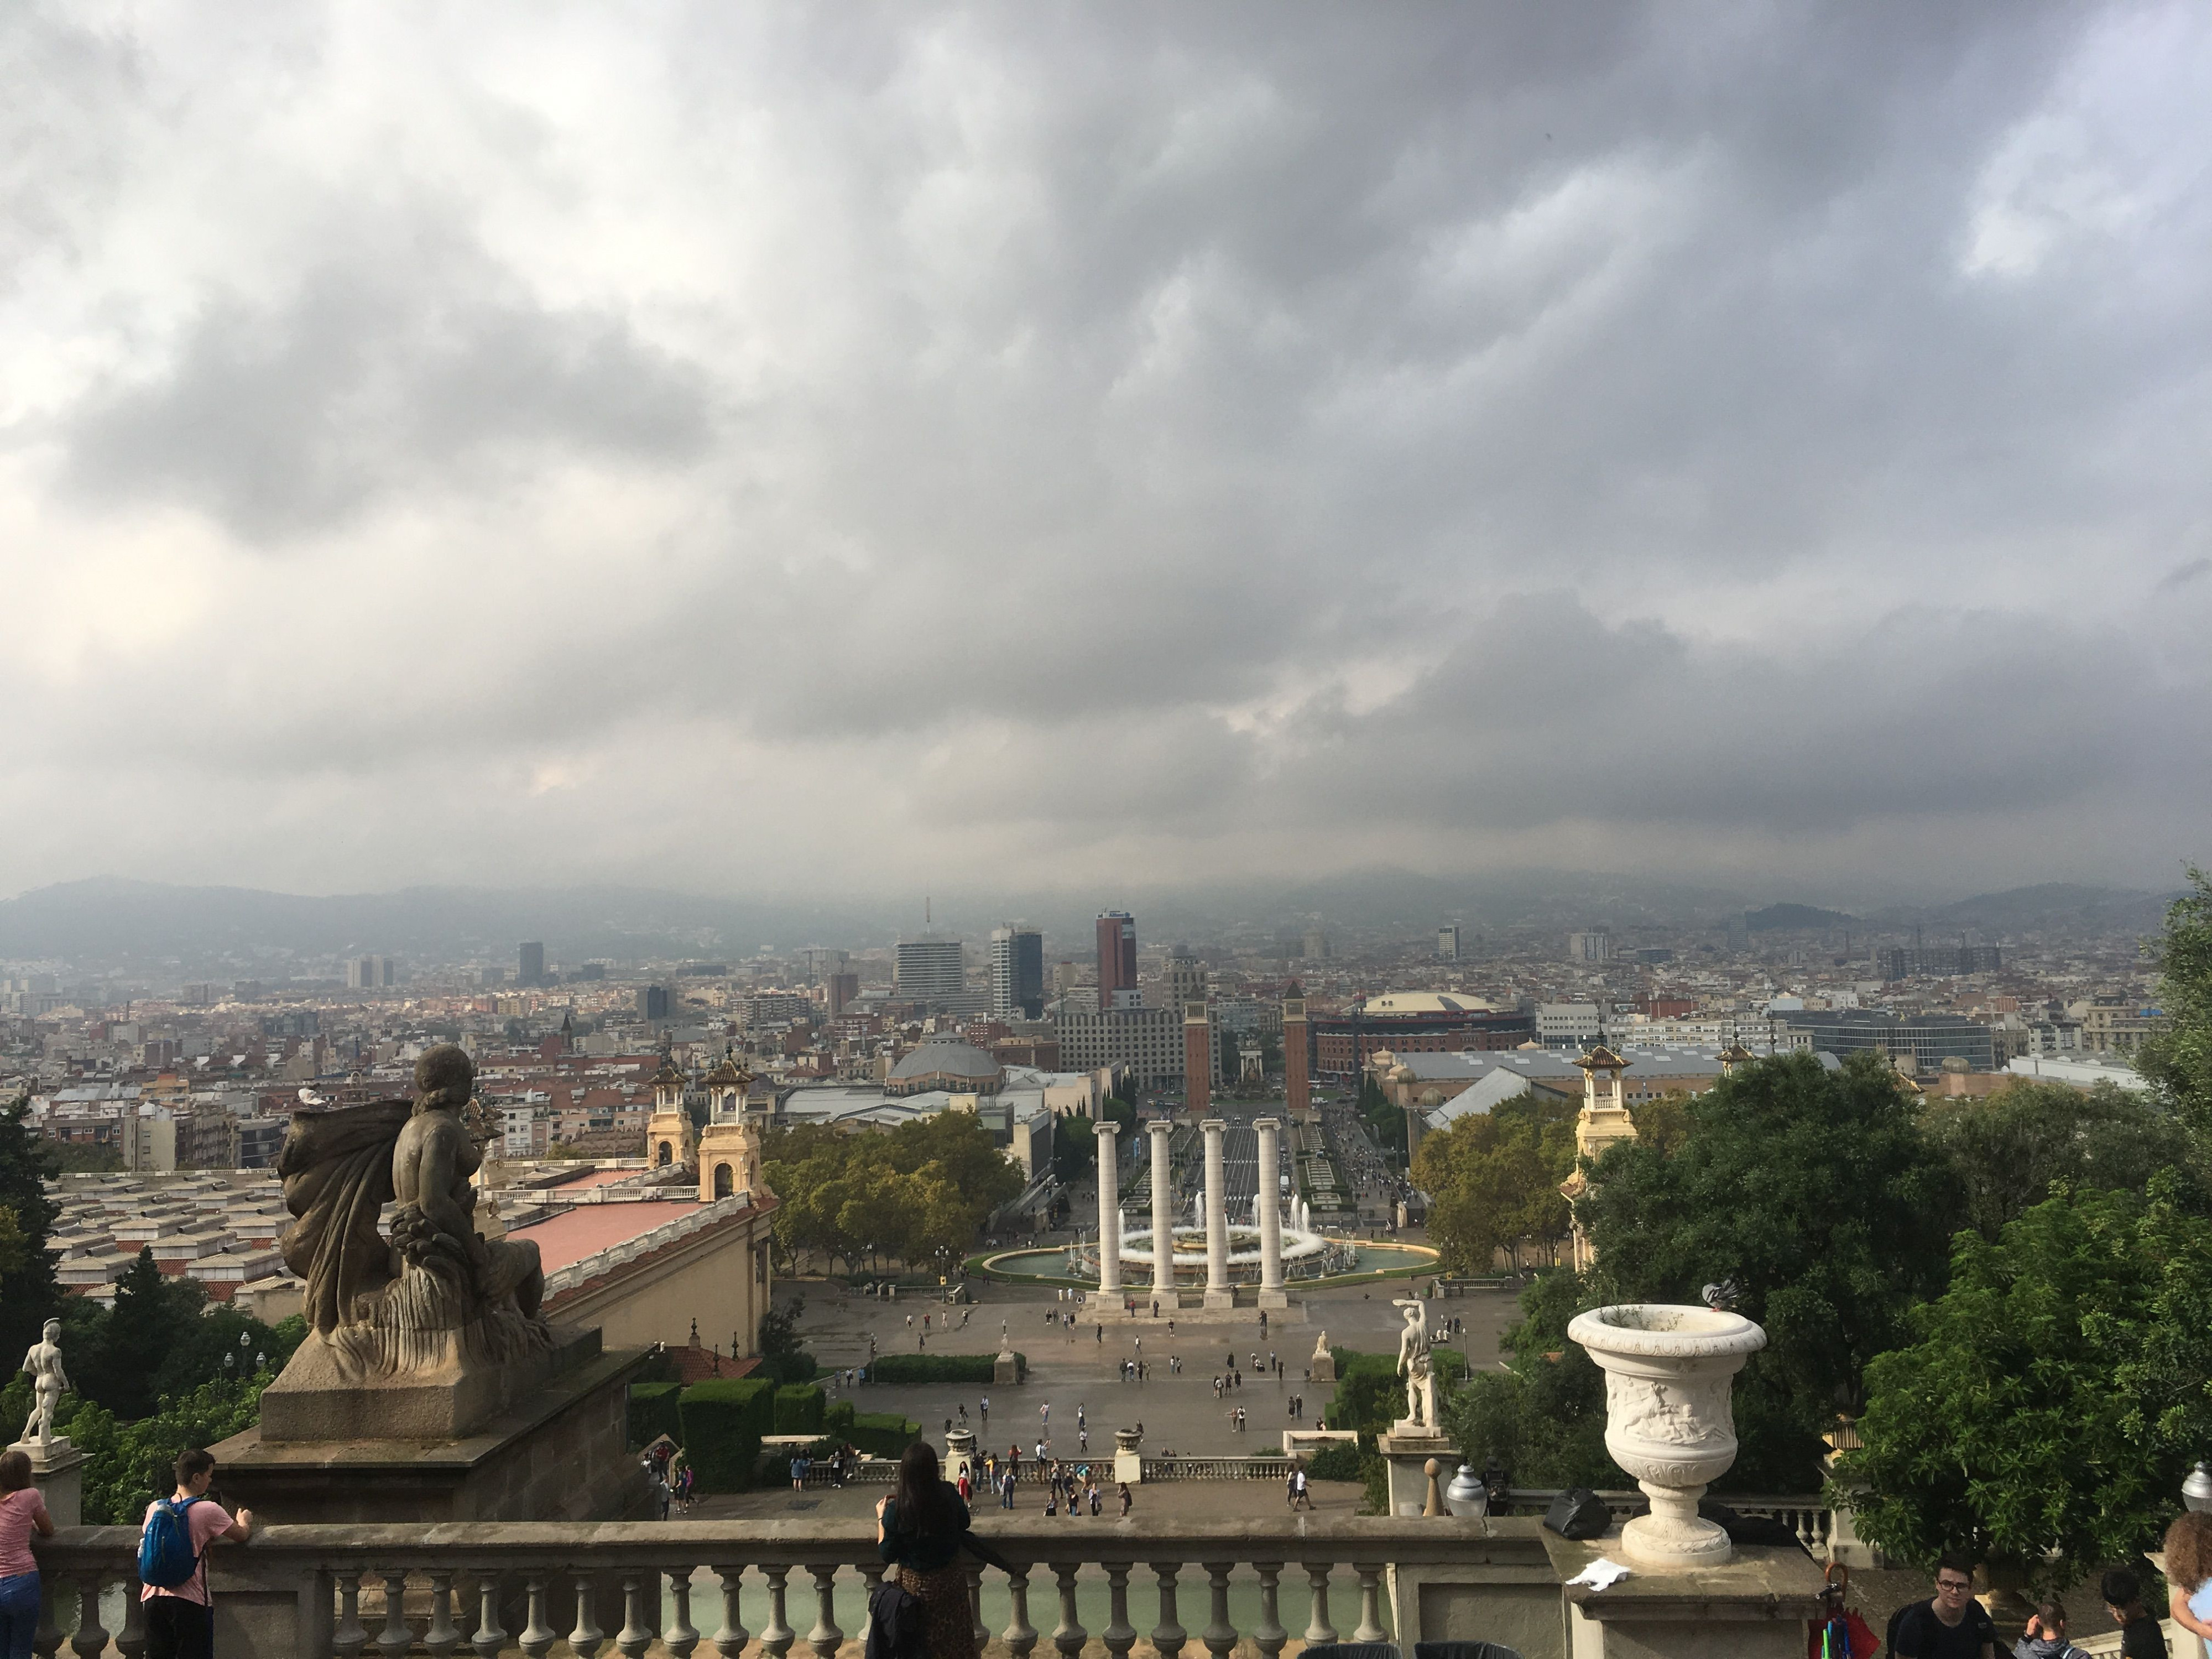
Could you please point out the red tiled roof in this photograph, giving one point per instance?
(589, 1228)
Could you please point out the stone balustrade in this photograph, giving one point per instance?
(684, 1588)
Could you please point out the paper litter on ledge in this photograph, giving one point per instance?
(1600, 1574)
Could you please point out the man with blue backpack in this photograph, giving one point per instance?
(173, 1548)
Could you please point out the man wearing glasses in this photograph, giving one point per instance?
(1950, 1624)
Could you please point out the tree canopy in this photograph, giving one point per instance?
(2009, 1147)
(1818, 1192)
(2056, 1394)
(1542, 1417)
(927, 1184)
(2179, 1059)
(1493, 1179)
(29, 1293)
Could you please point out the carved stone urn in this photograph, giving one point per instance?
(1668, 1371)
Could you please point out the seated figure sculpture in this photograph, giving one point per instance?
(436, 1296)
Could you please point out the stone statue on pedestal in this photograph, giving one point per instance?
(436, 1296)
(49, 1381)
(1419, 1368)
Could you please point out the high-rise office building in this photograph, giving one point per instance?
(653, 1002)
(530, 968)
(1017, 972)
(1117, 961)
(929, 969)
(1591, 948)
(1448, 941)
(841, 990)
(1183, 981)
(369, 973)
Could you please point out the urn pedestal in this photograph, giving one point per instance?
(1668, 1373)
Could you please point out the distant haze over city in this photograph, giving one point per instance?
(1101, 451)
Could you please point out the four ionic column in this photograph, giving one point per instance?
(1219, 1291)
(1164, 1288)
(1110, 1215)
(1271, 1294)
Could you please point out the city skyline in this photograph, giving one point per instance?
(1750, 450)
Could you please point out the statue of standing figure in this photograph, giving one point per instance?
(49, 1380)
(1419, 1368)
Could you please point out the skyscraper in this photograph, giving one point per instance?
(1118, 960)
(1017, 972)
(1448, 941)
(929, 969)
(531, 969)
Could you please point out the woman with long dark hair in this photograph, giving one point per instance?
(919, 1530)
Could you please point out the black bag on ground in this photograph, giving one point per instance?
(1578, 1512)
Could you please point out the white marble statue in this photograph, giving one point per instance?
(43, 1362)
(1419, 1369)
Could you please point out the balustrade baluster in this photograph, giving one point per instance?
(1219, 1635)
(777, 1638)
(47, 1639)
(1068, 1636)
(1370, 1606)
(91, 1639)
(395, 1638)
(825, 1638)
(351, 1635)
(131, 1644)
(975, 1607)
(1119, 1635)
(681, 1635)
(538, 1635)
(1269, 1635)
(444, 1635)
(1318, 1629)
(1168, 1636)
(636, 1635)
(730, 1640)
(490, 1638)
(1021, 1635)
(584, 1640)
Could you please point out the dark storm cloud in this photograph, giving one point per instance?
(1064, 441)
(411, 363)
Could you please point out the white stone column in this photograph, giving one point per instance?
(1220, 1293)
(1107, 1298)
(1270, 1208)
(1163, 1280)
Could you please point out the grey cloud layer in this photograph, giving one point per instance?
(1189, 441)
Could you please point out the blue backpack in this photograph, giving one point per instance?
(166, 1557)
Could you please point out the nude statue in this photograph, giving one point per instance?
(431, 1164)
(51, 1382)
(1418, 1367)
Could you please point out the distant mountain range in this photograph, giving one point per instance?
(176, 932)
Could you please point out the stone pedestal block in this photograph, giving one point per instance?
(57, 1471)
(1006, 1370)
(1758, 1603)
(560, 1454)
(1407, 1455)
(314, 1400)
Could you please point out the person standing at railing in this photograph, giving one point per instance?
(921, 1529)
(22, 1512)
(181, 1613)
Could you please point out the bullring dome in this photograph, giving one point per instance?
(945, 1063)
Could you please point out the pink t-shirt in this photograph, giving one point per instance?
(20, 1512)
(207, 1521)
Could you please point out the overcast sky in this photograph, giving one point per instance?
(861, 449)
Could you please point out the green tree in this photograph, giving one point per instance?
(1385, 1122)
(1493, 1179)
(2056, 1393)
(2009, 1147)
(1074, 1147)
(2178, 1058)
(1818, 1192)
(29, 1294)
(1542, 1417)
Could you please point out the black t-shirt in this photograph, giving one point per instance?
(2142, 1639)
(1922, 1635)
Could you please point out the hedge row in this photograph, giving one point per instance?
(799, 1409)
(883, 1434)
(724, 1420)
(941, 1368)
(652, 1412)
(837, 1419)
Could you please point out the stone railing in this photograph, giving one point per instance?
(1276, 1467)
(1808, 1518)
(683, 1587)
(586, 1268)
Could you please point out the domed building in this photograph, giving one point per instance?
(945, 1063)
